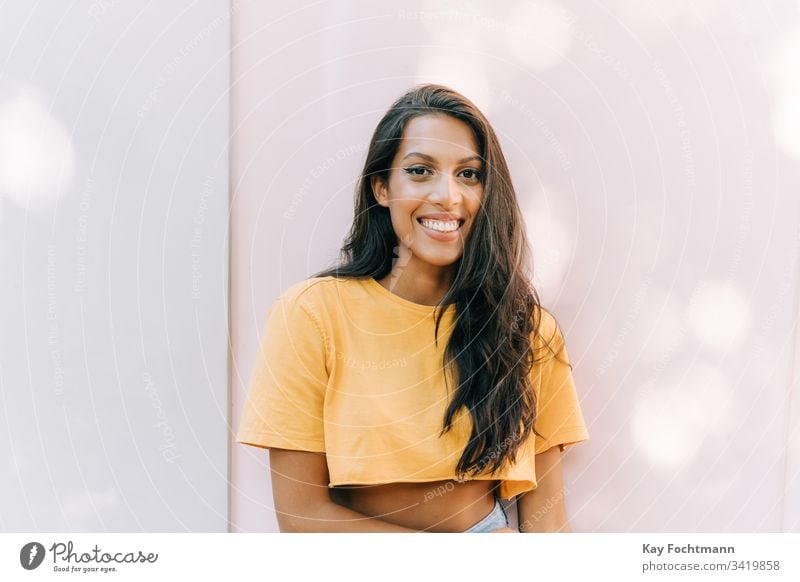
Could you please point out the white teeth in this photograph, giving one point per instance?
(440, 225)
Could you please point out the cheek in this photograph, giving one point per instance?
(401, 222)
(476, 201)
(401, 212)
(403, 208)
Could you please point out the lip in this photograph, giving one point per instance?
(442, 216)
(441, 236)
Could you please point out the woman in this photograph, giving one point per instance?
(417, 383)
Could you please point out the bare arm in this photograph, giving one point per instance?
(303, 502)
(542, 510)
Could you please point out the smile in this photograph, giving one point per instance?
(440, 225)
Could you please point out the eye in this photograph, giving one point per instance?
(416, 170)
(471, 174)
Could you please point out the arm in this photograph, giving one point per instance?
(542, 510)
(303, 502)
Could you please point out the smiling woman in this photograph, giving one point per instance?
(423, 186)
(433, 275)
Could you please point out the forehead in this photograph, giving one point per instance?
(438, 136)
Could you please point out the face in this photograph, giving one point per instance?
(434, 190)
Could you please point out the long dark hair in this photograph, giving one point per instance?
(497, 309)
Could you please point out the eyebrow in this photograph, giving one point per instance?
(431, 159)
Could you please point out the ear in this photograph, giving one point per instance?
(379, 191)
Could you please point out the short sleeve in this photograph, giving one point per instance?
(286, 392)
(558, 418)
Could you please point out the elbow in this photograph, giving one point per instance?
(288, 523)
(543, 526)
(555, 521)
(311, 518)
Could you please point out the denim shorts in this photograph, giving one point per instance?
(496, 519)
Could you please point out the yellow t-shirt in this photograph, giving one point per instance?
(348, 368)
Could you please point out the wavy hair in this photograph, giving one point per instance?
(498, 312)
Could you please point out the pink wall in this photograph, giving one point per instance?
(655, 157)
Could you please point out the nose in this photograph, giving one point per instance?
(447, 191)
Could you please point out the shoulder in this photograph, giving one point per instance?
(548, 337)
(318, 295)
(307, 290)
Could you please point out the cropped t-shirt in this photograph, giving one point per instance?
(347, 368)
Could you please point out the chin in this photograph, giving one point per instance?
(441, 261)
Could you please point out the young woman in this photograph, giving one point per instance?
(419, 382)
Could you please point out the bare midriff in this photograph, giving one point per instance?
(437, 506)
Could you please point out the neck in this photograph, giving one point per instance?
(425, 286)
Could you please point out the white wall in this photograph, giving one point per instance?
(113, 249)
(654, 147)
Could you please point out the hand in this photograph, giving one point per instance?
(504, 530)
